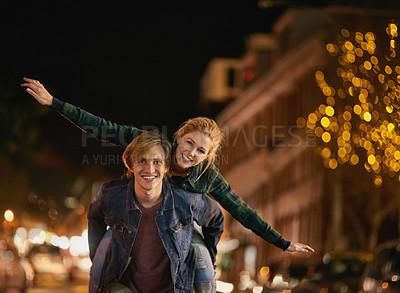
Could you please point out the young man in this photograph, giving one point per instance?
(151, 222)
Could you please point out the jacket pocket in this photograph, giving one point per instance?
(114, 223)
(182, 230)
(118, 229)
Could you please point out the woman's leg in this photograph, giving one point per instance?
(98, 262)
(204, 280)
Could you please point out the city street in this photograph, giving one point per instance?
(280, 121)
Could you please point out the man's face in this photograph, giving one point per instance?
(149, 170)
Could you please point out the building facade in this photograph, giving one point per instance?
(271, 162)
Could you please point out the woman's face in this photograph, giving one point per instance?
(193, 148)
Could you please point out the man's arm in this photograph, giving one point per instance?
(96, 225)
(208, 215)
(96, 126)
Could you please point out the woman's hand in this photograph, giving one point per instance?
(299, 247)
(38, 91)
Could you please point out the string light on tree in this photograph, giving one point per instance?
(359, 121)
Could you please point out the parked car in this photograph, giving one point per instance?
(48, 264)
(383, 273)
(12, 273)
(339, 272)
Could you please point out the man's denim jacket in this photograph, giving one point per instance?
(115, 207)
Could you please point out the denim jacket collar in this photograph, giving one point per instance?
(168, 200)
(130, 199)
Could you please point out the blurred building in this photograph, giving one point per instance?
(270, 161)
(226, 78)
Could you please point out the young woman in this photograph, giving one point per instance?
(196, 144)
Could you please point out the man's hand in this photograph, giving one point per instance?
(38, 91)
(299, 247)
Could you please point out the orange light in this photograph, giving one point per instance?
(264, 271)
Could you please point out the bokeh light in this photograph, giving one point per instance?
(9, 216)
(359, 121)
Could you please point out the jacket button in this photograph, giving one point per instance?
(130, 231)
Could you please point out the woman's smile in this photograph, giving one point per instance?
(192, 149)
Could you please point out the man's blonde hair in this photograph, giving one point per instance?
(142, 144)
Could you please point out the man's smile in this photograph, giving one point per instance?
(149, 178)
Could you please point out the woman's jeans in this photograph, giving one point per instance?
(204, 280)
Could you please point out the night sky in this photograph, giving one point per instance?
(141, 62)
(137, 64)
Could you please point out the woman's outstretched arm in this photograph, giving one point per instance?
(222, 192)
(96, 126)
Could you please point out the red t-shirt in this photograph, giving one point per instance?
(149, 269)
